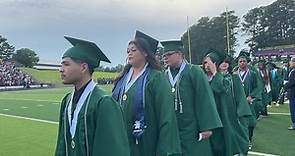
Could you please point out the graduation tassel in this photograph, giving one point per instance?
(175, 103)
(180, 104)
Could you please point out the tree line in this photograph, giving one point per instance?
(265, 26)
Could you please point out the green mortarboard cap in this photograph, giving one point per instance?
(152, 43)
(245, 55)
(172, 45)
(216, 55)
(230, 58)
(85, 51)
(272, 64)
(261, 61)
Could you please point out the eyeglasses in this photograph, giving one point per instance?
(169, 54)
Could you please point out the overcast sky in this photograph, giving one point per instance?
(41, 24)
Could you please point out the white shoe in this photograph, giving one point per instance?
(268, 106)
(250, 146)
(277, 105)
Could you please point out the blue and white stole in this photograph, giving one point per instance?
(243, 75)
(119, 93)
(74, 121)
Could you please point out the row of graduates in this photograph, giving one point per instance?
(267, 81)
(184, 111)
(274, 78)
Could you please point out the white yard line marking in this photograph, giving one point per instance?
(31, 119)
(261, 154)
(23, 107)
(40, 105)
(56, 103)
(278, 113)
(6, 109)
(29, 100)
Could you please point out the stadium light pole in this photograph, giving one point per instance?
(189, 40)
(227, 32)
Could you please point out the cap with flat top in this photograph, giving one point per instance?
(85, 51)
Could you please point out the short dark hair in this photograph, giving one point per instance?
(90, 68)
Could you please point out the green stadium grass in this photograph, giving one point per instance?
(21, 137)
(271, 136)
(53, 76)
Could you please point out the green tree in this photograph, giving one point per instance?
(6, 50)
(210, 33)
(26, 57)
(271, 25)
(252, 26)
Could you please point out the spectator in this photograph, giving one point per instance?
(290, 87)
(10, 75)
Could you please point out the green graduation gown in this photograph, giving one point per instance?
(258, 103)
(199, 112)
(160, 136)
(232, 107)
(266, 96)
(252, 88)
(276, 80)
(222, 138)
(103, 133)
(241, 112)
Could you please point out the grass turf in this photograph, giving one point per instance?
(21, 137)
(53, 76)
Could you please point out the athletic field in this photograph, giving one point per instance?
(29, 122)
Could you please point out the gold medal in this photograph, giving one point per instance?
(73, 144)
(124, 97)
(173, 90)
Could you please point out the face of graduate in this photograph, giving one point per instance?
(207, 63)
(71, 72)
(173, 59)
(260, 66)
(286, 64)
(243, 63)
(269, 67)
(292, 64)
(223, 67)
(135, 56)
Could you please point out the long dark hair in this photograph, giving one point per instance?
(264, 71)
(226, 60)
(229, 61)
(143, 47)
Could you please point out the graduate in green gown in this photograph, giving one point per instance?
(91, 123)
(147, 102)
(226, 141)
(194, 102)
(276, 80)
(252, 89)
(266, 94)
(242, 112)
(258, 107)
